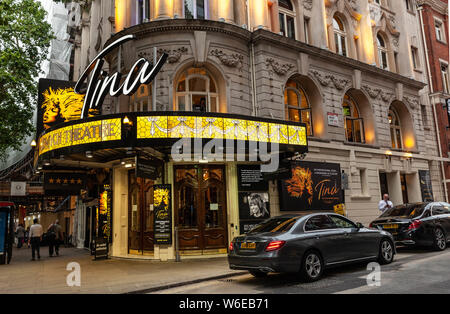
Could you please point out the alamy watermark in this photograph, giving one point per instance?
(73, 279)
(220, 150)
(374, 278)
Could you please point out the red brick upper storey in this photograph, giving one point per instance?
(435, 12)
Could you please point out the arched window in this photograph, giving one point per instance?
(287, 18)
(396, 131)
(340, 36)
(382, 53)
(354, 124)
(297, 106)
(197, 91)
(196, 9)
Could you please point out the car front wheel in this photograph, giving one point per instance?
(386, 252)
(440, 243)
(312, 266)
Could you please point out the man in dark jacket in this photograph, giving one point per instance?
(54, 238)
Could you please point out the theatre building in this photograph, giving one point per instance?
(330, 88)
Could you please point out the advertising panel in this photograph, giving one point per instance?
(58, 103)
(254, 205)
(313, 186)
(163, 218)
(425, 186)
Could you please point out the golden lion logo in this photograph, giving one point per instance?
(300, 183)
(62, 105)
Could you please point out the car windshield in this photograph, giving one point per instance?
(281, 224)
(405, 211)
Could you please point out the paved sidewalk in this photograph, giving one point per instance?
(111, 276)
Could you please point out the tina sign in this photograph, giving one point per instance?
(312, 186)
(101, 83)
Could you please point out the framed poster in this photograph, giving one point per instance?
(163, 214)
(250, 178)
(425, 186)
(312, 186)
(254, 205)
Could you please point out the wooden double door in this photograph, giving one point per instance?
(200, 207)
(140, 215)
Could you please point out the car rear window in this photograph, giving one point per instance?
(405, 211)
(282, 224)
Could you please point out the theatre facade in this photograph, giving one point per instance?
(326, 90)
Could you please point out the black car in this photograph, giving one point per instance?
(307, 245)
(424, 224)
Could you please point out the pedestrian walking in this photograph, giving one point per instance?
(385, 203)
(54, 238)
(35, 238)
(20, 234)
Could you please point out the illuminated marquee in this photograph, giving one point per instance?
(175, 127)
(235, 128)
(83, 133)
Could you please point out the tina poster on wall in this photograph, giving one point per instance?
(312, 186)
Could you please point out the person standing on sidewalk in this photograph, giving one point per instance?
(20, 233)
(385, 203)
(54, 237)
(35, 238)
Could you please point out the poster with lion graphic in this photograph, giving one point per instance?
(312, 186)
(58, 103)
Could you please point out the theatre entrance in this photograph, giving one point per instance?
(140, 215)
(200, 208)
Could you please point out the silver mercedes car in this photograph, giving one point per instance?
(307, 245)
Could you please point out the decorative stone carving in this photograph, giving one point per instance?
(327, 79)
(378, 93)
(340, 84)
(413, 102)
(308, 4)
(279, 69)
(233, 60)
(323, 80)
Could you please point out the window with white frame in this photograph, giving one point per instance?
(297, 106)
(445, 78)
(287, 18)
(354, 123)
(195, 9)
(142, 11)
(382, 53)
(340, 37)
(197, 91)
(396, 131)
(439, 28)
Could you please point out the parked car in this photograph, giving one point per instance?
(426, 224)
(307, 245)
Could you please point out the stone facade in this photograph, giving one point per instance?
(251, 62)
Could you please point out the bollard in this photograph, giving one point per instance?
(177, 251)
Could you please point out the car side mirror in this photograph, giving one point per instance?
(359, 225)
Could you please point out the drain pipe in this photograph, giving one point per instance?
(436, 126)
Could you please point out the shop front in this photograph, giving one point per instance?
(133, 153)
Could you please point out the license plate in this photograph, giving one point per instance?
(391, 226)
(248, 246)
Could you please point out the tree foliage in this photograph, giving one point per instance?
(25, 37)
